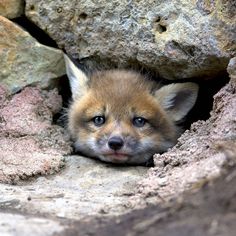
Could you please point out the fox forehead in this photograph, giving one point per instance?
(92, 105)
(118, 94)
(119, 113)
(124, 83)
(121, 96)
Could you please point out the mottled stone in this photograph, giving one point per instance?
(11, 8)
(232, 69)
(23, 225)
(201, 154)
(177, 39)
(26, 62)
(30, 145)
(85, 188)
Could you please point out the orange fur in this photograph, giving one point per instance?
(119, 96)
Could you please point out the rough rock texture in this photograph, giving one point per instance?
(178, 39)
(232, 69)
(24, 61)
(211, 211)
(18, 225)
(200, 154)
(83, 189)
(29, 143)
(87, 188)
(11, 8)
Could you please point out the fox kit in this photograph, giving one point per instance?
(119, 116)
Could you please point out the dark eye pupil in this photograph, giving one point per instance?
(139, 121)
(99, 120)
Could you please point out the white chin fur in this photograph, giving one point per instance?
(136, 159)
(141, 156)
(112, 159)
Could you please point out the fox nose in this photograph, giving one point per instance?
(115, 143)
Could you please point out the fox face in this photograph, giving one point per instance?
(119, 116)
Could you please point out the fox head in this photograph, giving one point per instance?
(119, 116)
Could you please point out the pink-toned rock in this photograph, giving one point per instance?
(201, 154)
(3, 95)
(21, 114)
(30, 144)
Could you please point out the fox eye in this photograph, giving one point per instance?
(139, 121)
(98, 120)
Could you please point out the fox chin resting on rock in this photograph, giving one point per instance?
(119, 116)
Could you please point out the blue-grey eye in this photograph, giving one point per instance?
(139, 121)
(98, 120)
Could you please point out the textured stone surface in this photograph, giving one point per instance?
(201, 153)
(178, 39)
(21, 225)
(232, 69)
(11, 8)
(24, 61)
(211, 211)
(85, 188)
(30, 145)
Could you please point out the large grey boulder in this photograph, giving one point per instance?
(24, 61)
(177, 39)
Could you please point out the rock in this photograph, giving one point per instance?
(201, 154)
(210, 211)
(85, 188)
(177, 39)
(11, 8)
(23, 225)
(232, 69)
(30, 145)
(90, 197)
(26, 62)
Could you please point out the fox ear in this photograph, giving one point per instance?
(177, 99)
(78, 79)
